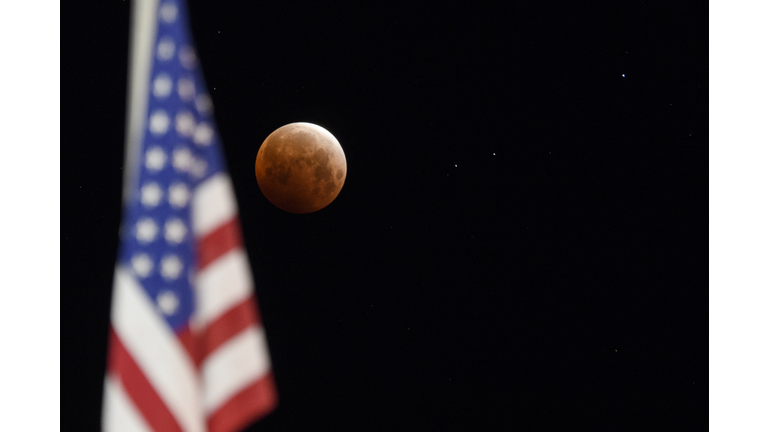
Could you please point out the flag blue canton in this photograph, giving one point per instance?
(179, 149)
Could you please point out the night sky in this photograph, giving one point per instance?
(521, 241)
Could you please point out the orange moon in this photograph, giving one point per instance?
(301, 168)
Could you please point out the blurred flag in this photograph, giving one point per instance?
(187, 351)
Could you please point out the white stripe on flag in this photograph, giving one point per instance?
(157, 351)
(222, 285)
(233, 366)
(120, 414)
(213, 203)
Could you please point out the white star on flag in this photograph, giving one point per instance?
(155, 160)
(186, 89)
(175, 230)
(178, 195)
(151, 194)
(142, 264)
(185, 123)
(168, 12)
(203, 134)
(170, 267)
(162, 86)
(187, 57)
(199, 168)
(203, 104)
(168, 302)
(146, 230)
(159, 122)
(165, 49)
(182, 159)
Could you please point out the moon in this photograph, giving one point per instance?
(301, 168)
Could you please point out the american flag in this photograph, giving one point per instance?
(187, 351)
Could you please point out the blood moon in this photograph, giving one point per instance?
(301, 168)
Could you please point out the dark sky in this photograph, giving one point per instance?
(521, 241)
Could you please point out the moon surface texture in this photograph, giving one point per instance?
(301, 168)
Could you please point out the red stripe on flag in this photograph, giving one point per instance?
(190, 343)
(249, 405)
(218, 242)
(138, 388)
(229, 324)
(219, 331)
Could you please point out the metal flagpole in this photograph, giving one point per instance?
(143, 28)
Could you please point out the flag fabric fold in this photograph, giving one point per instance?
(187, 350)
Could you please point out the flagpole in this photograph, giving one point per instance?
(142, 33)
